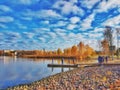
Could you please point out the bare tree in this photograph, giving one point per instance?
(108, 35)
(118, 41)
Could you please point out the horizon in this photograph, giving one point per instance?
(53, 24)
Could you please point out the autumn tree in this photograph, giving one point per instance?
(65, 52)
(105, 47)
(81, 48)
(74, 50)
(54, 52)
(88, 51)
(38, 52)
(69, 51)
(50, 52)
(59, 51)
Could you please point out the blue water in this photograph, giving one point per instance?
(14, 71)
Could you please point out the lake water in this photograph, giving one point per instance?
(14, 71)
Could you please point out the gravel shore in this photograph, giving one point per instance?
(89, 78)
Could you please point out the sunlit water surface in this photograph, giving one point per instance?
(14, 71)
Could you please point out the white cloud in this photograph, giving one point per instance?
(41, 14)
(44, 29)
(61, 23)
(11, 37)
(49, 13)
(77, 38)
(5, 8)
(42, 39)
(86, 24)
(112, 21)
(89, 3)
(96, 30)
(71, 26)
(71, 35)
(41, 30)
(15, 34)
(21, 26)
(68, 7)
(29, 34)
(74, 1)
(6, 19)
(46, 36)
(46, 22)
(77, 10)
(3, 26)
(95, 35)
(62, 35)
(72, 39)
(106, 5)
(59, 4)
(58, 30)
(52, 34)
(26, 18)
(118, 10)
(74, 19)
(1, 36)
(25, 2)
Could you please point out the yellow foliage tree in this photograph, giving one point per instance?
(74, 50)
(59, 51)
(88, 51)
(81, 48)
(68, 51)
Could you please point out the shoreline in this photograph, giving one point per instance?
(65, 79)
(42, 80)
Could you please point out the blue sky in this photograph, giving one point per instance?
(50, 24)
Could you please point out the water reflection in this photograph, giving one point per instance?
(14, 71)
(7, 60)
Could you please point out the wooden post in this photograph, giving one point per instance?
(62, 61)
(52, 61)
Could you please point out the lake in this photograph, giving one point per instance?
(14, 71)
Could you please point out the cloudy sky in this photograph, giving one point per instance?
(50, 24)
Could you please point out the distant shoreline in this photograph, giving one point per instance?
(56, 57)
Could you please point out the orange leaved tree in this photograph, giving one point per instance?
(74, 50)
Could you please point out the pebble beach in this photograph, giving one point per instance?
(85, 78)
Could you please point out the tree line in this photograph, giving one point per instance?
(80, 51)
